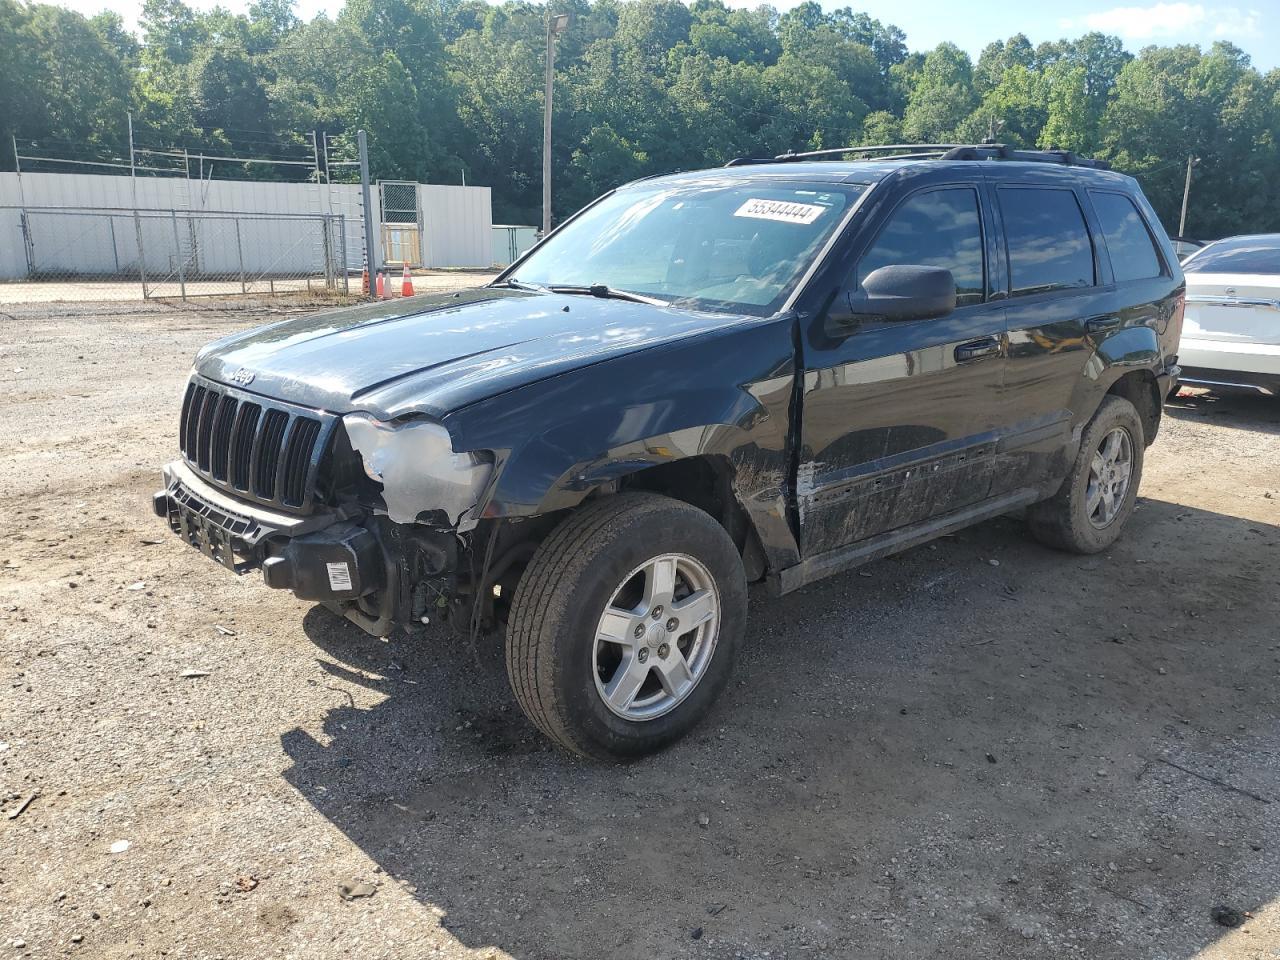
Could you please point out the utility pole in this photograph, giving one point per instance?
(370, 260)
(555, 26)
(1186, 194)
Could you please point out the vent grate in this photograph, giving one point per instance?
(250, 447)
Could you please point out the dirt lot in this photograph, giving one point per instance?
(940, 756)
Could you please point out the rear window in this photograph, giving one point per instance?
(1238, 255)
(1133, 255)
(1048, 242)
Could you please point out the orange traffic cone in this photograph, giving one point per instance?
(406, 283)
(382, 287)
(364, 281)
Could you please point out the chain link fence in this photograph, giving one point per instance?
(63, 253)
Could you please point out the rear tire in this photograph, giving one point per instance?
(1089, 510)
(598, 655)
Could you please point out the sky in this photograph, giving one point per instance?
(1253, 25)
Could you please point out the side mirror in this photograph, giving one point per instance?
(899, 292)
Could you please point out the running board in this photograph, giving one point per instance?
(895, 541)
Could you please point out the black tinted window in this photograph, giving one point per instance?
(1133, 255)
(1049, 246)
(1238, 255)
(941, 228)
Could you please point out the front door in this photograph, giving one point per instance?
(899, 420)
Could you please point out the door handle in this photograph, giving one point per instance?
(1102, 324)
(977, 349)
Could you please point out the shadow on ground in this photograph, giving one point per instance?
(938, 756)
(1244, 411)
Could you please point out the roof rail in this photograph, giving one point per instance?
(905, 149)
(933, 151)
(1002, 151)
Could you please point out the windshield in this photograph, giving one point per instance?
(1260, 254)
(739, 247)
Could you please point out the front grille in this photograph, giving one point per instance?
(257, 449)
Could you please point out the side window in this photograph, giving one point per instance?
(938, 228)
(1048, 242)
(1133, 255)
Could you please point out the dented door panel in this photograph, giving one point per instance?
(895, 428)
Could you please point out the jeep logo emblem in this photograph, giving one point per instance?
(243, 377)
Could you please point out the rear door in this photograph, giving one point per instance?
(1143, 289)
(899, 417)
(1051, 278)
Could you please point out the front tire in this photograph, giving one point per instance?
(1091, 507)
(625, 625)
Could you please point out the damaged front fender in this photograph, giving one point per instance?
(423, 480)
(725, 395)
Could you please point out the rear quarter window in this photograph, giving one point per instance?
(1129, 244)
(1047, 239)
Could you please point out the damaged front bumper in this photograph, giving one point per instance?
(354, 563)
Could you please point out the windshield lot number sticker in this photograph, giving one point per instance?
(781, 210)
(339, 577)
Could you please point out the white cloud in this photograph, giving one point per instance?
(1144, 23)
(1237, 23)
(1189, 21)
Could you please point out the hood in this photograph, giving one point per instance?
(434, 354)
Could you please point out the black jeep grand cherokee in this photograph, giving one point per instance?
(768, 372)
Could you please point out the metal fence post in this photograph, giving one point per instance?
(240, 256)
(142, 256)
(371, 258)
(28, 248)
(177, 244)
(342, 242)
(326, 241)
(115, 251)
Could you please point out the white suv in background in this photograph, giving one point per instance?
(1231, 331)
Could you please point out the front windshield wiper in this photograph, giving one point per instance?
(521, 285)
(606, 292)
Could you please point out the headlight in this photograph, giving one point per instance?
(417, 467)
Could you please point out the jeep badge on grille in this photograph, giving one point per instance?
(243, 376)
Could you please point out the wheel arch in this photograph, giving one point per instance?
(1141, 389)
(708, 482)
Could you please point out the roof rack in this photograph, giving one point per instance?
(934, 151)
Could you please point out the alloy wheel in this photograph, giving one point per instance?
(1109, 474)
(656, 637)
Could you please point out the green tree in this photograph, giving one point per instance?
(225, 88)
(63, 79)
(998, 57)
(941, 96)
(1013, 111)
(448, 88)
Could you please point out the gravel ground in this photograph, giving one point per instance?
(978, 749)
